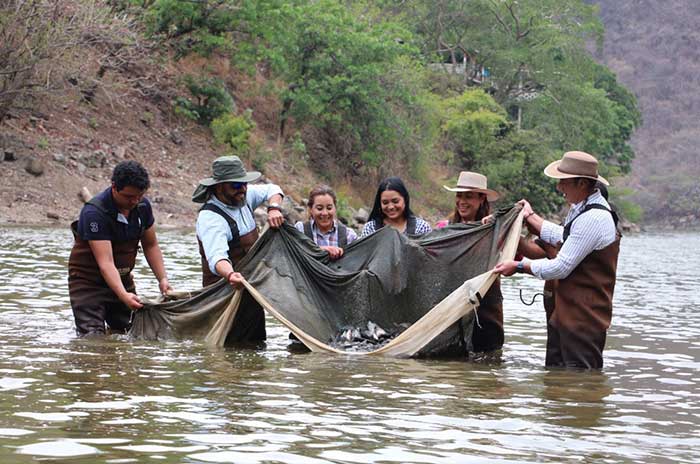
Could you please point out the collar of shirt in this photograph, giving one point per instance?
(576, 208)
(318, 231)
(243, 215)
(108, 203)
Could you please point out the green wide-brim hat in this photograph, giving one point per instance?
(224, 169)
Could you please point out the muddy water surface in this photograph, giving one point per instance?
(111, 401)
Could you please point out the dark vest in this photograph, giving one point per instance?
(342, 233)
(583, 300)
(410, 225)
(238, 246)
(85, 282)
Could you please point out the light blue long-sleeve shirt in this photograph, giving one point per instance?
(213, 230)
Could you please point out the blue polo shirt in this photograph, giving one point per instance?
(110, 224)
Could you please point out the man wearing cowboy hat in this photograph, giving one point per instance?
(581, 277)
(226, 227)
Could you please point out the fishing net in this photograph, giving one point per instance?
(413, 296)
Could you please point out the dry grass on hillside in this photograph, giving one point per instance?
(653, 47)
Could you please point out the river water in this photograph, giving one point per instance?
(111, 401)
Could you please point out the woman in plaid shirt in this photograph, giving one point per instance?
(322, 226)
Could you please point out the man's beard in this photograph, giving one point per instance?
(235, 200)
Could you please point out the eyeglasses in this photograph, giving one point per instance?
(238, 185)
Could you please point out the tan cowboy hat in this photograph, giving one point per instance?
(473, 182)
(575, 164)
(224, 169)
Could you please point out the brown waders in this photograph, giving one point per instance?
(579, 311)
(490, 336)
(249, 324)
(579, 307)
(93, 302)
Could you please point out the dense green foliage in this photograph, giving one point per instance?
(338, 70)
(234, 132)
(473, 122)
(210, 100)
(359, 74)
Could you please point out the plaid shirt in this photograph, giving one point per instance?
(422, 227)
(331, 237)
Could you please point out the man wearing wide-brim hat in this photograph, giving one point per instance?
(226, 227)
(581, 278)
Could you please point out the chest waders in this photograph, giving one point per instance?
(249, 323)
(93, 302)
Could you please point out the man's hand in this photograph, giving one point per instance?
(235, 279)
(275, 218)
(132, 300)
(334, 251)
(527, 209)
(506, 268)
(164, 286)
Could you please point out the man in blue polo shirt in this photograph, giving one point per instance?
(107, 237)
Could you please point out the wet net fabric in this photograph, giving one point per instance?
(424, 289)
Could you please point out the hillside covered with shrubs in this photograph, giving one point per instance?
(653, 47)
(307, 91)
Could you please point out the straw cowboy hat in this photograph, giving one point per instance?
(473, 182)
(224, 169)
(575, 164)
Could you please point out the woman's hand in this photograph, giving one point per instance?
(333, 251)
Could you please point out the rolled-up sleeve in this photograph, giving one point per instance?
(259, 193)
(214, 233)
(551, 233)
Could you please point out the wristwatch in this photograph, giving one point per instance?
(274, 205)
(520, 267)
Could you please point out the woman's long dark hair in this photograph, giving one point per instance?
(395, 184)
(483, 211)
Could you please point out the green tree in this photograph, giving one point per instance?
(201, 26)
(234, 131)
(473, 121)
(210, 100)
(337, 67)
(514, 165)
(540, 69)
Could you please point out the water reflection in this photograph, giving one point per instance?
(109, 400)
(576, 399)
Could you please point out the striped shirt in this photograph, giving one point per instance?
(594, 230)
(422, 227)
(329, 238)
